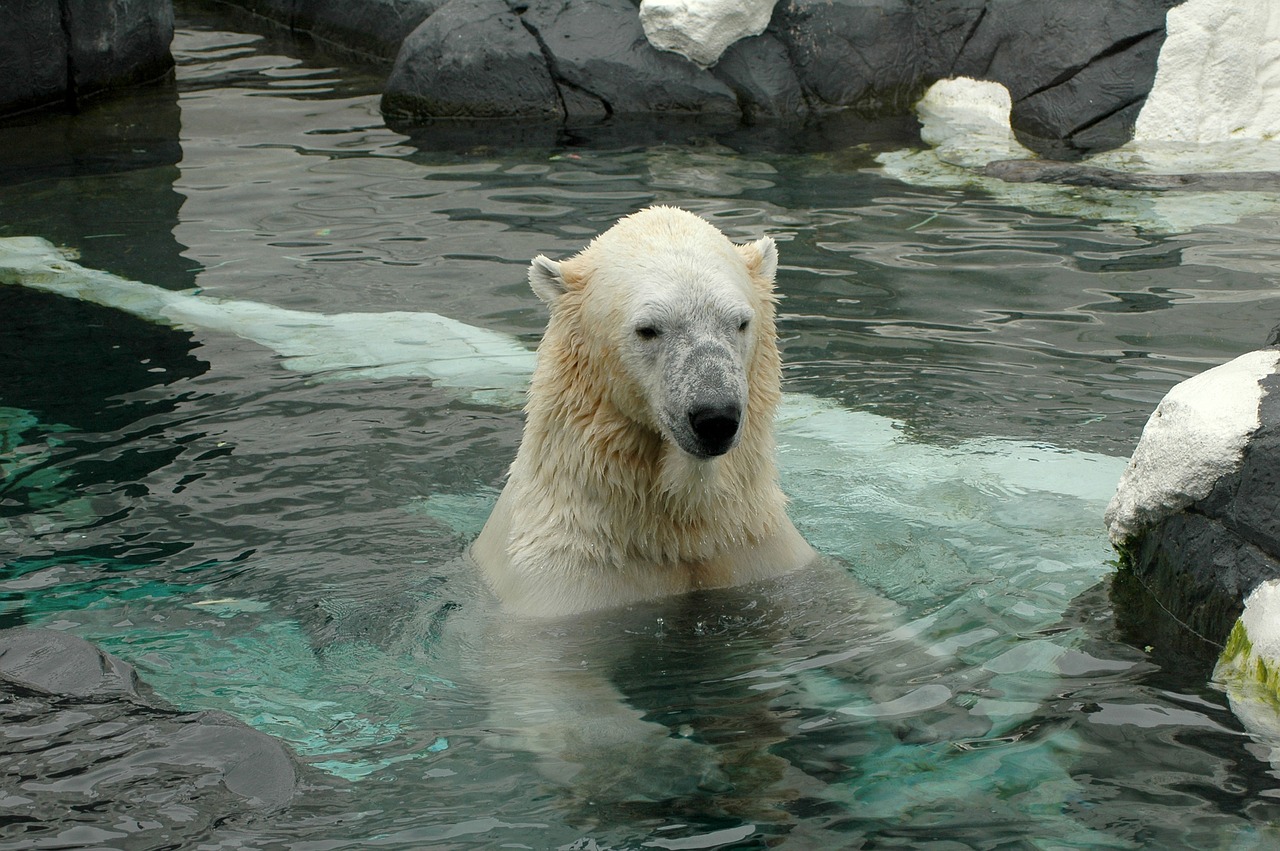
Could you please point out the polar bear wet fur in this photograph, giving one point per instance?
(647, 464)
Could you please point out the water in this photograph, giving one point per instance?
(284, 545)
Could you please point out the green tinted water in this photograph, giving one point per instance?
(285, 545)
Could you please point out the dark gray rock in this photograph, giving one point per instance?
(33, 56)
(112, 45)
(1247, 502)
(1078, 70)
(55, 53)
(55, 663)
(597, 49)
(864, 55)
(472, 59)
(577, 61)
(1191, 571)
(759, 72)
(81, 732)
(372, 30)
(1075, 174)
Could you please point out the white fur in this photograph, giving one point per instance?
(609, 500)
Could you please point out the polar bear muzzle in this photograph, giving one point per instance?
(715, 428)
(705, 392)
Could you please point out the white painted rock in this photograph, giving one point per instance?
(967, 122)
(1196, 435)
(1196, 520)
(1249, 668)
(1218, 77)
(701, 30)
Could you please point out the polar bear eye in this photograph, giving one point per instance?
(742, 327)
(646, 332)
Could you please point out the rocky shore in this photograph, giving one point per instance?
(1078, 70)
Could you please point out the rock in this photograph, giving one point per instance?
(33, 57)
(472, 59)
(81, 729)
(598, 49)
(759, 72)
(701, 30)
(1079, 174)
(1231, 52)
(55, 663)
(859, 54)
(967, 123)
(374, 29)
(370, 29)
(1194, 517)
(1077, 70)
(69, 51)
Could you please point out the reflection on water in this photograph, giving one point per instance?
(286, 549)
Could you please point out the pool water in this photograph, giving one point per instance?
(966, 377)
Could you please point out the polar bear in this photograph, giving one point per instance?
(646, 467)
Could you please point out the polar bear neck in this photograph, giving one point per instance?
(619, 494)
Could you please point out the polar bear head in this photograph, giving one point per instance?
(666, 321)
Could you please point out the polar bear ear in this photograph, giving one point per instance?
(546, 279)
(761, 257)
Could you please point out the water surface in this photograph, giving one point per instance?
(286, 546)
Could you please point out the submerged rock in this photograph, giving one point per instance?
(82, 733)
(1080, 174)
(61, 665)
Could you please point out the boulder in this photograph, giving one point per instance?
(1195, 516)
(1223, 60)
(587, 59)
(759, 72)
(62, 53)
(372, 30)
(598, 48)
(864, 55)
(1078, 70)
(57, 664)
(472, 59)
(81, 729)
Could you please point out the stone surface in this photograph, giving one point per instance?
(1196, 438)
(1079, 70)
(759, 72)
(701, 30)
(598, 49)
(1195, 518)
(54, 663)
(56, 53)
(473, 59)
(1230, 52)
(370, 29)
(859, 54)
(33, 56)
(81, 732)
(966, 121)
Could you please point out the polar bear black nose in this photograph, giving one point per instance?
(716, 427)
